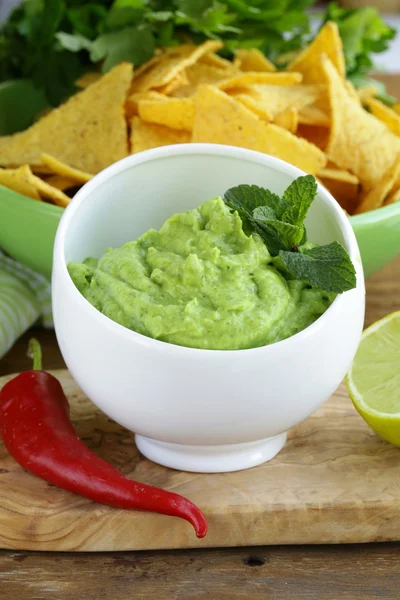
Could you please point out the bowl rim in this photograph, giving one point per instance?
(371, 217)
(203, 149)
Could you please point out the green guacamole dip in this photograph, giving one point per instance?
(200, 281)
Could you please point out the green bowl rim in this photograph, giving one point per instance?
(44, 207)
(371, 216)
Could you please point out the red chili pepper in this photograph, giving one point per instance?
(37, 431)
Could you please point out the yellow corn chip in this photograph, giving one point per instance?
(215, 61)
(315, 134)
(329, 172)
(244, 79)
(88, 132)
(396, 108)
(150, 135)
(271, 100)
(60, 168)
(393, 197)
(343, 186)
(377, 195)
(19, 181)
(148, 65)
(220, 119)
(175, 83)
(201, 73)
(40, 169)
(254, 60)
(352, 90)
(131, 105)
(171, 64)
(366, 91)
(385, 114)
(312, 115)
(308, 63)
(358, 141)
(177, 113)
(288, 119)
(252, 104)
(87, 79)
(49, 192)
(61, 182)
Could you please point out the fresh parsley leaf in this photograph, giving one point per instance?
(133, 44)
(246, 198)
(326, 267)
(73, 42)
(298, 198)
(363, 32)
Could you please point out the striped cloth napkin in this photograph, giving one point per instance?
(24, 299)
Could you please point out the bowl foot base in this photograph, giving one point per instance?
(211, 459)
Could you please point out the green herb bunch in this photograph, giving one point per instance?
(53, 41)
(279, 221)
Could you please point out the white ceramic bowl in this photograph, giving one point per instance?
(196, 410)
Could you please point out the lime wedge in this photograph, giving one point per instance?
(373, 381)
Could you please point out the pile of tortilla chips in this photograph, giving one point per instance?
(308, 115)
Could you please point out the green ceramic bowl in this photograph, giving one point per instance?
(28, 227)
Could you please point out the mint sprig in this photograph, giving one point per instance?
(279, 221)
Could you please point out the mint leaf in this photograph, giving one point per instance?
(264, 213)
(290, 235)
(298, 197)
(326, 267)
(246, 198)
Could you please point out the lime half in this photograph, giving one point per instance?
(373, 381)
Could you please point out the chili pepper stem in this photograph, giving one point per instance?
(35, 352)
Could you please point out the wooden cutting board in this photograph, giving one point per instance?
(334, 482)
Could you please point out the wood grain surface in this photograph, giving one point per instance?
(325, 486)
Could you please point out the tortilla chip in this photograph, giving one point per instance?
(396, 108)
(352, 90)
(315, 134)
(252, 104)
(367, 91)
(215, 61)
(60, 168)
(88, 132)
(150, 135)
(377, 195)
(385, 114)
(254, 60)
(87, 79)
(329, 42)
(171, 64)
(358, 141)
(40, 169)
(61, 182)
(220, 119)
(131, 105)
(270, 100)
(288, 119)
(19, 181)
(312, 115)
(249, 78)
(393, 197)
(201, 73)
(175, 83)
(343, 186)
(148, 65)
(49, 192)
(177, 113)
